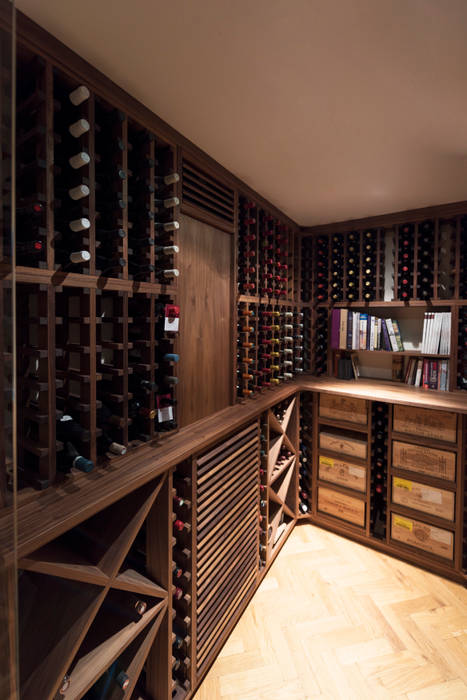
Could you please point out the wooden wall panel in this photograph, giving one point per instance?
(205, 344)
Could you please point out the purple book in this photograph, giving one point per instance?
(335, 325)
(386, 341)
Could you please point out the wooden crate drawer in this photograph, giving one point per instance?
(422, 536)
(343, 408)
(428, 499)
(341, 472)
(424, 460)
(341, 443)
(424, 422)
(341, 506)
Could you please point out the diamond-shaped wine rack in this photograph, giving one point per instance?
(281, 472)
(92, 600)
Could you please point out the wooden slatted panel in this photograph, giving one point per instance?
(205, 192)
(227, 484)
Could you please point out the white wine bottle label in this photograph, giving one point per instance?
(79, 128)
(79, 192)
(78, 160)
(80, 224)
(80, 256)
(81, 94)
(288, 375)
(170, 273)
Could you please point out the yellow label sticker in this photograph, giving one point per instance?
(402, 484)
(326, 461)
(402, 522)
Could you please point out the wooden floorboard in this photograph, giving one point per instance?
(334, 619)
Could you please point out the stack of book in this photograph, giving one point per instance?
(353, 330)
(430, 374)
(436, 337)
(436, 340)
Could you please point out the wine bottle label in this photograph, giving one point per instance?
(81, 94)
(170, 273)
(80, 224)
(79, 128)
(80, 256)
(78, 192)
(78, 160)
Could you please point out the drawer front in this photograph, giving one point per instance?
(424, 460)
(341, 506)
(428, 499)
(339, 471)
(423, 422)
(343, 408)
(345, 445)
(422, 536)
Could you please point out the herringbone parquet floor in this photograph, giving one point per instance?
(334, 619)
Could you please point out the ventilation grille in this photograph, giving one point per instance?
(226, 536)
(204, 192)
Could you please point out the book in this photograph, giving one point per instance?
(372, 333)
(335, 324)
(343, 330)
(349, 329)
(392, 335)
(397, 332)
(363, 331)
(356, 330)
(397, 368)
(419, 373)
(355, 365)
(385, 334)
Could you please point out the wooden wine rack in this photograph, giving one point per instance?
(90, 333)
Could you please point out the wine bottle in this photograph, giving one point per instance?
(106, 444)
(79, 95)
(70, 457)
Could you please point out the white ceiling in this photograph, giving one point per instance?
(331, 109)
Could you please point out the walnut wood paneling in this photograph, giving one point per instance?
(205, 289)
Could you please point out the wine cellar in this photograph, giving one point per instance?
(195, 376)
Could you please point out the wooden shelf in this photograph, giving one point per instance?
(400, 353)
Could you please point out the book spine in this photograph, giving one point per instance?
(335, 323)
(343, 330)
(349, 329)
(392, 335)
(426, 376)
(397, 332)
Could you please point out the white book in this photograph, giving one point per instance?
(431, 339)
(392, 335)
(445, 345)
(437, 333)
(356, 331)
(425, 326)
(429, 333)
(372, 332)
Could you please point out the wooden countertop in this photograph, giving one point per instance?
(42, 516)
